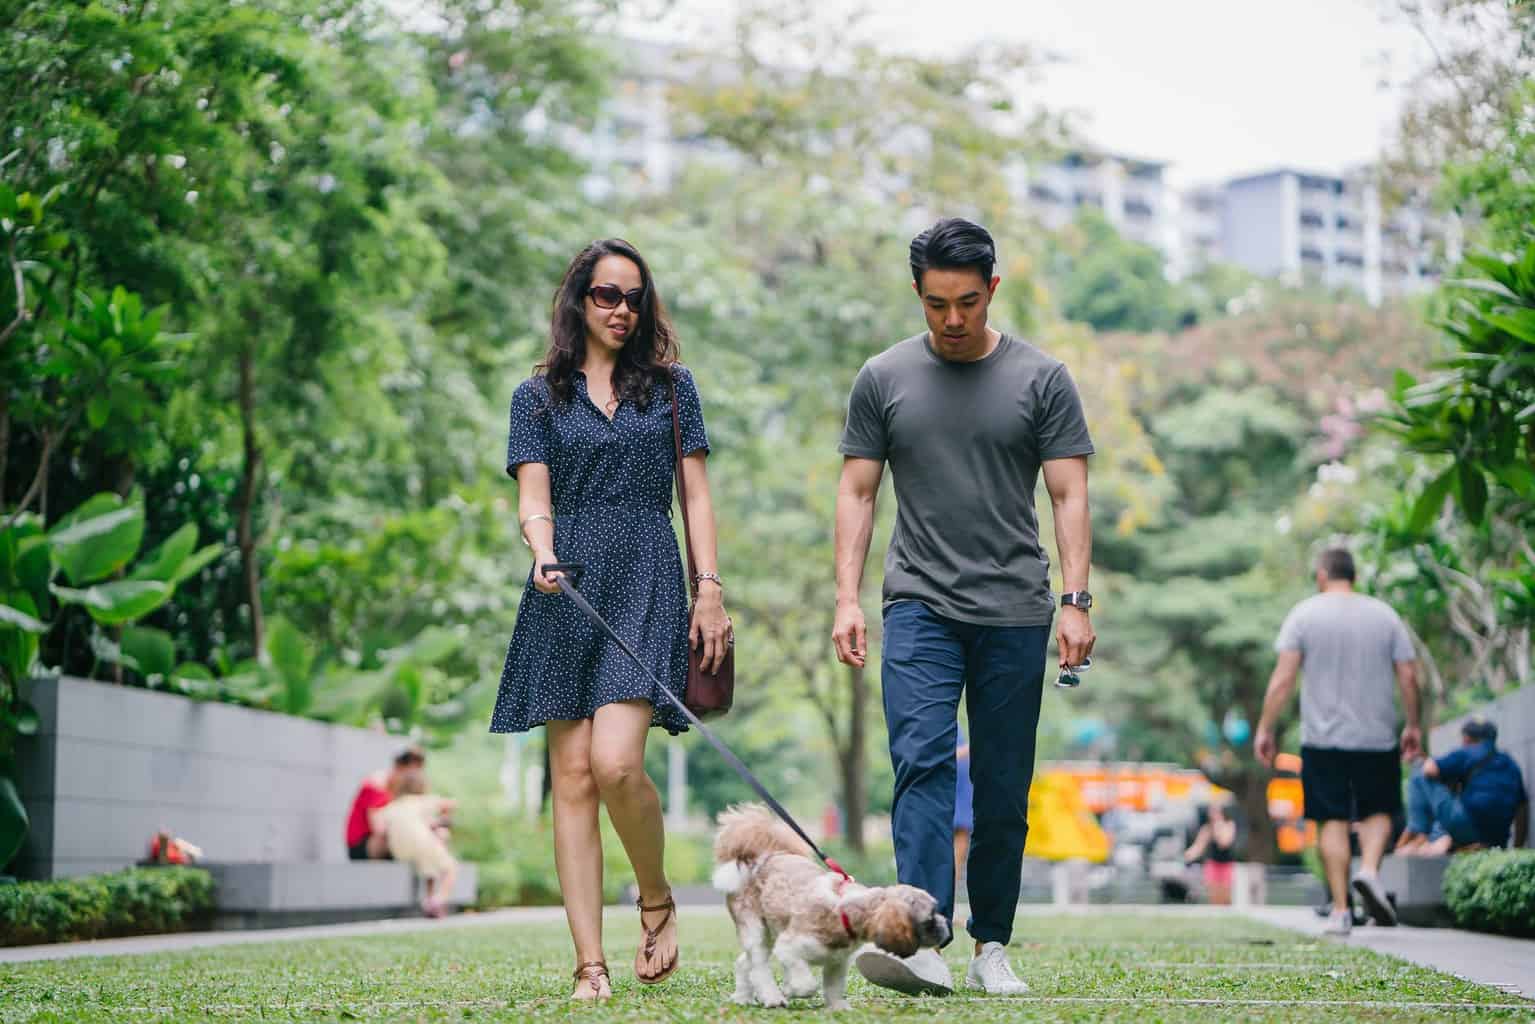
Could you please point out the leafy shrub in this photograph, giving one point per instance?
(1493, 891)
(139, 901)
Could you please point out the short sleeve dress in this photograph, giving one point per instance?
(611, 483)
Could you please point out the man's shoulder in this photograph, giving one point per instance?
(903, 355)
(1025, 353)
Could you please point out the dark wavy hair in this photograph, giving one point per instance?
(953, 244)
(648, 352)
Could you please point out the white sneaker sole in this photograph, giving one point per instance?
(1375, 902)
(971, 983)
(889, 971)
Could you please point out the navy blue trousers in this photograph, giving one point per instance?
(928, 661)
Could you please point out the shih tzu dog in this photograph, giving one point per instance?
(787, 905)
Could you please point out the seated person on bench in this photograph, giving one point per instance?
(1468, 798)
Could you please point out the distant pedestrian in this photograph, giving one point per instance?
(1354, 651)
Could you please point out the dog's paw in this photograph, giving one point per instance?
(744, 999)
(839, 1004)
(774, 1000)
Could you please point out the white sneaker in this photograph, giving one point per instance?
(1339, 922)
(924, 973)
(991, 973)
(1373, 895)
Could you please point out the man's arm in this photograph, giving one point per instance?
(856, 493)
(1407, 683)
(1066, 480)
(1281, 688)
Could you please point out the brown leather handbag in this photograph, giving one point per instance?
(709, 694)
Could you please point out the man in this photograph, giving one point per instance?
(1351, 648)
(967, 417)
(365, 840)
(1489, 802)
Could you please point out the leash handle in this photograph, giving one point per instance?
(572, 569)
(730, 758)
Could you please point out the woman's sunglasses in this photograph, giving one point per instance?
(608, 296)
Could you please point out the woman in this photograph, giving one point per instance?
(1216, 842)
(591, 449)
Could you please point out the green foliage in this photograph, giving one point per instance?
(140, 901)
(1481, 409)
(1112, 283)
(1493, 891)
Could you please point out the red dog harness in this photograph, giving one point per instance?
(847, 925)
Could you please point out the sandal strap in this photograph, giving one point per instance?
(588, 970)
(670, 904)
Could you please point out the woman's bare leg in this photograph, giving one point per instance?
(618, 763)
(577, 841)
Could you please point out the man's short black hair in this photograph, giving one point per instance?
(1337, 564)
(409, 756)
(1479, 730)
(953, 244)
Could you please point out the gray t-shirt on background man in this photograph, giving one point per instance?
(964, 442)
(1349, 645)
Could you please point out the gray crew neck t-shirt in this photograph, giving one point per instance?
(964, 442)
(1349, 645)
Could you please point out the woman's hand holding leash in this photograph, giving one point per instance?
(544, 574)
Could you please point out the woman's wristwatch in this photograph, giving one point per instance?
(700, 577)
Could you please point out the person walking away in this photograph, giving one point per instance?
(1353, 651)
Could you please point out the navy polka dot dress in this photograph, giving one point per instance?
(611, 482)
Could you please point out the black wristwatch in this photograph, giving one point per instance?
(1077, 599)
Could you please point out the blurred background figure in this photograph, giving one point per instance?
(1470, 798)
(1216, 843)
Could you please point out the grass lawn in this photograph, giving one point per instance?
(1101, 967)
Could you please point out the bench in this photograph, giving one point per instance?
(263, 895)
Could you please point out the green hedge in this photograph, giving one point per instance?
(139, 901)
(1493, 891)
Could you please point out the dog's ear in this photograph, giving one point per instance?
(893, 925)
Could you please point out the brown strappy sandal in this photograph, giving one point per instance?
(652, 936)
(590, 972)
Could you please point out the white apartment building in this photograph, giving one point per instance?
(1130, 191)
(1320, 228)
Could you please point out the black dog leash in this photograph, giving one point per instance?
(574, 569)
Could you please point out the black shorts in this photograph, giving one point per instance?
(1350, 785)
(359, 850)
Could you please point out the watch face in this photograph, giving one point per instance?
(1079, 599)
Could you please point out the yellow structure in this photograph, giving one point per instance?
(1061, 827)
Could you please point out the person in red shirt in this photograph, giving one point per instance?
(364, 841)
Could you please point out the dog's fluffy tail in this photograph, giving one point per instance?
(748, 833)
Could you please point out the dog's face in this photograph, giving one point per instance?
(905, 920)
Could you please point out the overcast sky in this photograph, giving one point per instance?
(1215, 87)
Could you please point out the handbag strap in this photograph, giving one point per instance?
(682, 489)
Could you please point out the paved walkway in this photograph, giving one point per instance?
(1504, 963)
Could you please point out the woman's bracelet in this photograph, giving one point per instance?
(700, 577)
(523, 526)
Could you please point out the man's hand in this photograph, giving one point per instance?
(1074, 637)
(850, 634)
(1412, 743)
(1265, 747)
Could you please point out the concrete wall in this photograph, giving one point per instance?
(111, 765)
(1514, 715)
